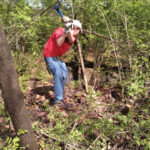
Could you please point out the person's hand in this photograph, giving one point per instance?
(71, 31)
(66, 19)
(68, 27)
(70, 35)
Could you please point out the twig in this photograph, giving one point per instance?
(128, 40)
(115, 53)
(75, 124)
(43, 133)
(114, 147)
(105, 37)
(45, 10)
(94, 142)
(53, 138)
(71, 146)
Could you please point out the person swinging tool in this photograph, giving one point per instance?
(59, 43)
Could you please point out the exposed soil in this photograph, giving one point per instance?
(38, 93)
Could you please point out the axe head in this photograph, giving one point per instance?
(63, 3)
(56, 7)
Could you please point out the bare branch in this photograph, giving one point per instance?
(105, 37)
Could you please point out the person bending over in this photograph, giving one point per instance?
(59, 43)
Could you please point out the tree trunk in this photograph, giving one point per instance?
(75, 64)
(82, 66)
(12, 95)
(75, 68)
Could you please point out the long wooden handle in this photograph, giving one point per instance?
(82, 66)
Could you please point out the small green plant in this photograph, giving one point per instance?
(13, 143)
(24, 80)
(136, 85)
(74, 84)
(43, 75)
(4, 113)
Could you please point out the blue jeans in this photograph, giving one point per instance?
(59, 70)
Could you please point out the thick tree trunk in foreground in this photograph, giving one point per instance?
(12, 95)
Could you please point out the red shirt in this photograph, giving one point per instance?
(52, 49)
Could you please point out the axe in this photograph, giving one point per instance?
(65, 19)
(56, 7)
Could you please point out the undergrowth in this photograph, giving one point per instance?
(77, 131)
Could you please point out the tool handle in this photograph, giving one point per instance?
(56, 7)
(60, 13)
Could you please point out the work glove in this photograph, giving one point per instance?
(66, 19)
(67, 27)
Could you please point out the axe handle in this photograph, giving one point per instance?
(56, 7)
(60, 13)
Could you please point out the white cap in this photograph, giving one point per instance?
(78, 24)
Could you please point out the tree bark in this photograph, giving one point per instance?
(75, 64)
(82, 66)
(13, 96)
(75, 68)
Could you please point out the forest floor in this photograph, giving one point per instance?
(93, 106)
(103, 102)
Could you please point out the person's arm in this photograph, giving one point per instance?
(70, 36)
(61, 39)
